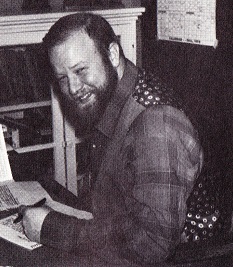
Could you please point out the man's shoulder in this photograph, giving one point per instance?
(151, 90)
(163, 118)
(163, 112)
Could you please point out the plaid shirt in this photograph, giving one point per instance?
(143, 169)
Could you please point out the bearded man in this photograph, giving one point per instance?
(144, 152)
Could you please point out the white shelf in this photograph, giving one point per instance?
(25, 106)
(38, 147)
(30, 29)
(27, 149)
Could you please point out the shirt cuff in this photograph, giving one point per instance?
(60, 230)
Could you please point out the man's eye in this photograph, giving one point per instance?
(61, 78)
(80, 71)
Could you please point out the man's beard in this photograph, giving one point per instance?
(83, 119)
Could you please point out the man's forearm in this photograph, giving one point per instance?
(60, 231)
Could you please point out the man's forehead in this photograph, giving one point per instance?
(78, 49)
(76, 39)
(77, 34)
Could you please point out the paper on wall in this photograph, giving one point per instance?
(192, 21)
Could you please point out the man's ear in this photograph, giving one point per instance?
(114, 55)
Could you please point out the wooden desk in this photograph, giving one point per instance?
(12, 255)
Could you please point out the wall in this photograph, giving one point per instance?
(14, 6)
(202, 76)
(10, 5)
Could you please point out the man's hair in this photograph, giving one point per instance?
(97, 28)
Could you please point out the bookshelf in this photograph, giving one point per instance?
(30, 29)
(23, 107)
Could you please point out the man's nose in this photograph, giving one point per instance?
(75, 84)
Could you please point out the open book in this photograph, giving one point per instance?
(13, 194)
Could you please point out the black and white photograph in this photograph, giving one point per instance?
(116, 133)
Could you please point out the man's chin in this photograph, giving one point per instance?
(87, 120)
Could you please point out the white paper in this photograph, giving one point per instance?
(13, 194)
(30, 192)
(14, 233)
(189, 21)
(5, 169)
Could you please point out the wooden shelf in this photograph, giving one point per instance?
(27, 149)
(25, 106)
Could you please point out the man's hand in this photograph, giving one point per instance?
(33, 219)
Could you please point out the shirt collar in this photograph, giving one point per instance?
(124, 88)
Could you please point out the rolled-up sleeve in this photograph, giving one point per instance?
(162, 158)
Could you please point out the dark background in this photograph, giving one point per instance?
(202, 76)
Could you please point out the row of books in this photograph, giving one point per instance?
(23, 75)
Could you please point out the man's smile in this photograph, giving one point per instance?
(85, 97)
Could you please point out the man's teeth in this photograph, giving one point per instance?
(85, 96)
